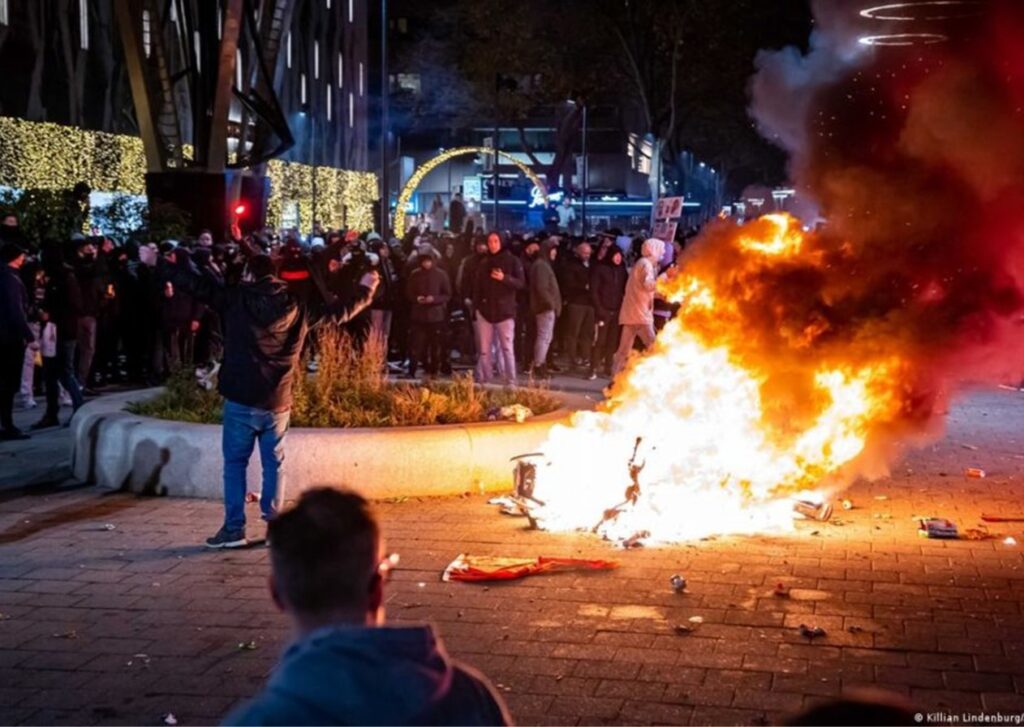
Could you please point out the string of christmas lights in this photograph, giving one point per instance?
(44, 155)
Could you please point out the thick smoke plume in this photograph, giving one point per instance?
(914, 155)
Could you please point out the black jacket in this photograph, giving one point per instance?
(607, 288)
(435, 283)
(14, 330)
(496, 300)
(575, 282)
(62, 299)
(265, 327)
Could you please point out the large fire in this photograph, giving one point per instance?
(730, 430)
(799, 361)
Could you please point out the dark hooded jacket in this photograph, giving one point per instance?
(265, 327)
(371, 676)
(14, 330)
(575, 281)
(544, 292)
(494, 299)
(607, 288)
(435, 283)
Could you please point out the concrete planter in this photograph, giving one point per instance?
(119, 450)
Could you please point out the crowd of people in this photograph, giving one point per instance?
(100, 313)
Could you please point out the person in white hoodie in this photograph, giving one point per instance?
(637, 313)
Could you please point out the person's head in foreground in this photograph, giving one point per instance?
(861, 707)
(328, 574)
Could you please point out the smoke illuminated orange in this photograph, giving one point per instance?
(739, 408)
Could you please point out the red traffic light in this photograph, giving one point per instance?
(240, 209)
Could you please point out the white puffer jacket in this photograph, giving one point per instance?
(638, 303)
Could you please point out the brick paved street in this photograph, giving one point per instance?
(123, 625)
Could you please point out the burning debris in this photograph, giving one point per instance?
(805, 353)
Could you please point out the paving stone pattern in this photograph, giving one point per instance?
(125, 625)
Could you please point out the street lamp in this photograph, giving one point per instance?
(586, 167)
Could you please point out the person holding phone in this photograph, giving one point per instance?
(498, 277)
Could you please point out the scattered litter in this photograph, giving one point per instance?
(678, 583)
(1003, 518)
(683, 629)
(981, 533)
(882, 516)
(251, 497)
(847, 504)
(781, 590)
(937, 527)
(976, 473)
(636, 540)
(815, 532)
(421, 584)
(108, 526)
(1008, 540)
(811, 632)
(696, 619)
(170, 719)
(881, 497)
(855, 629)
(495, 568)
(516, 412)
(971, 447)
(69, 634)
(4, 616)
(820, 511)
(247, 645)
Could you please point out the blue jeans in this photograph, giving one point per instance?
(243, 427)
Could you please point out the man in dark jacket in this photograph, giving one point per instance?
(496, 280)
(62, 302)
(14, 335)
(428, 291)
(607, 290)
(545, 304)
(328, 574)
(265, 327)
(578, 334)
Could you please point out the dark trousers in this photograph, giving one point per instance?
(173, 349)
(60, 371)
(608, 334)
(12, 356)
(426, 346)
(578, 334)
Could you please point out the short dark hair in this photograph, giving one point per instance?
(324, 551)
(260, 266)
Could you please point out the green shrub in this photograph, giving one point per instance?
(351, 389)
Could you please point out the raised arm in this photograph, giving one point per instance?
(203, 286)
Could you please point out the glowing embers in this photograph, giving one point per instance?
(924, 10)
(903, 39)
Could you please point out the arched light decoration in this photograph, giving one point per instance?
(924, 10)
(426, 168)
(903, 39)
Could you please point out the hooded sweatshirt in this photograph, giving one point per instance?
(638, 303)
(544, 292)
(351, 675)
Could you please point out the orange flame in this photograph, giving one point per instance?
(734, 422)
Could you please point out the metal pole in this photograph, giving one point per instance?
(312, 164)
(497, 130)
(586, 172)
(385, 89)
